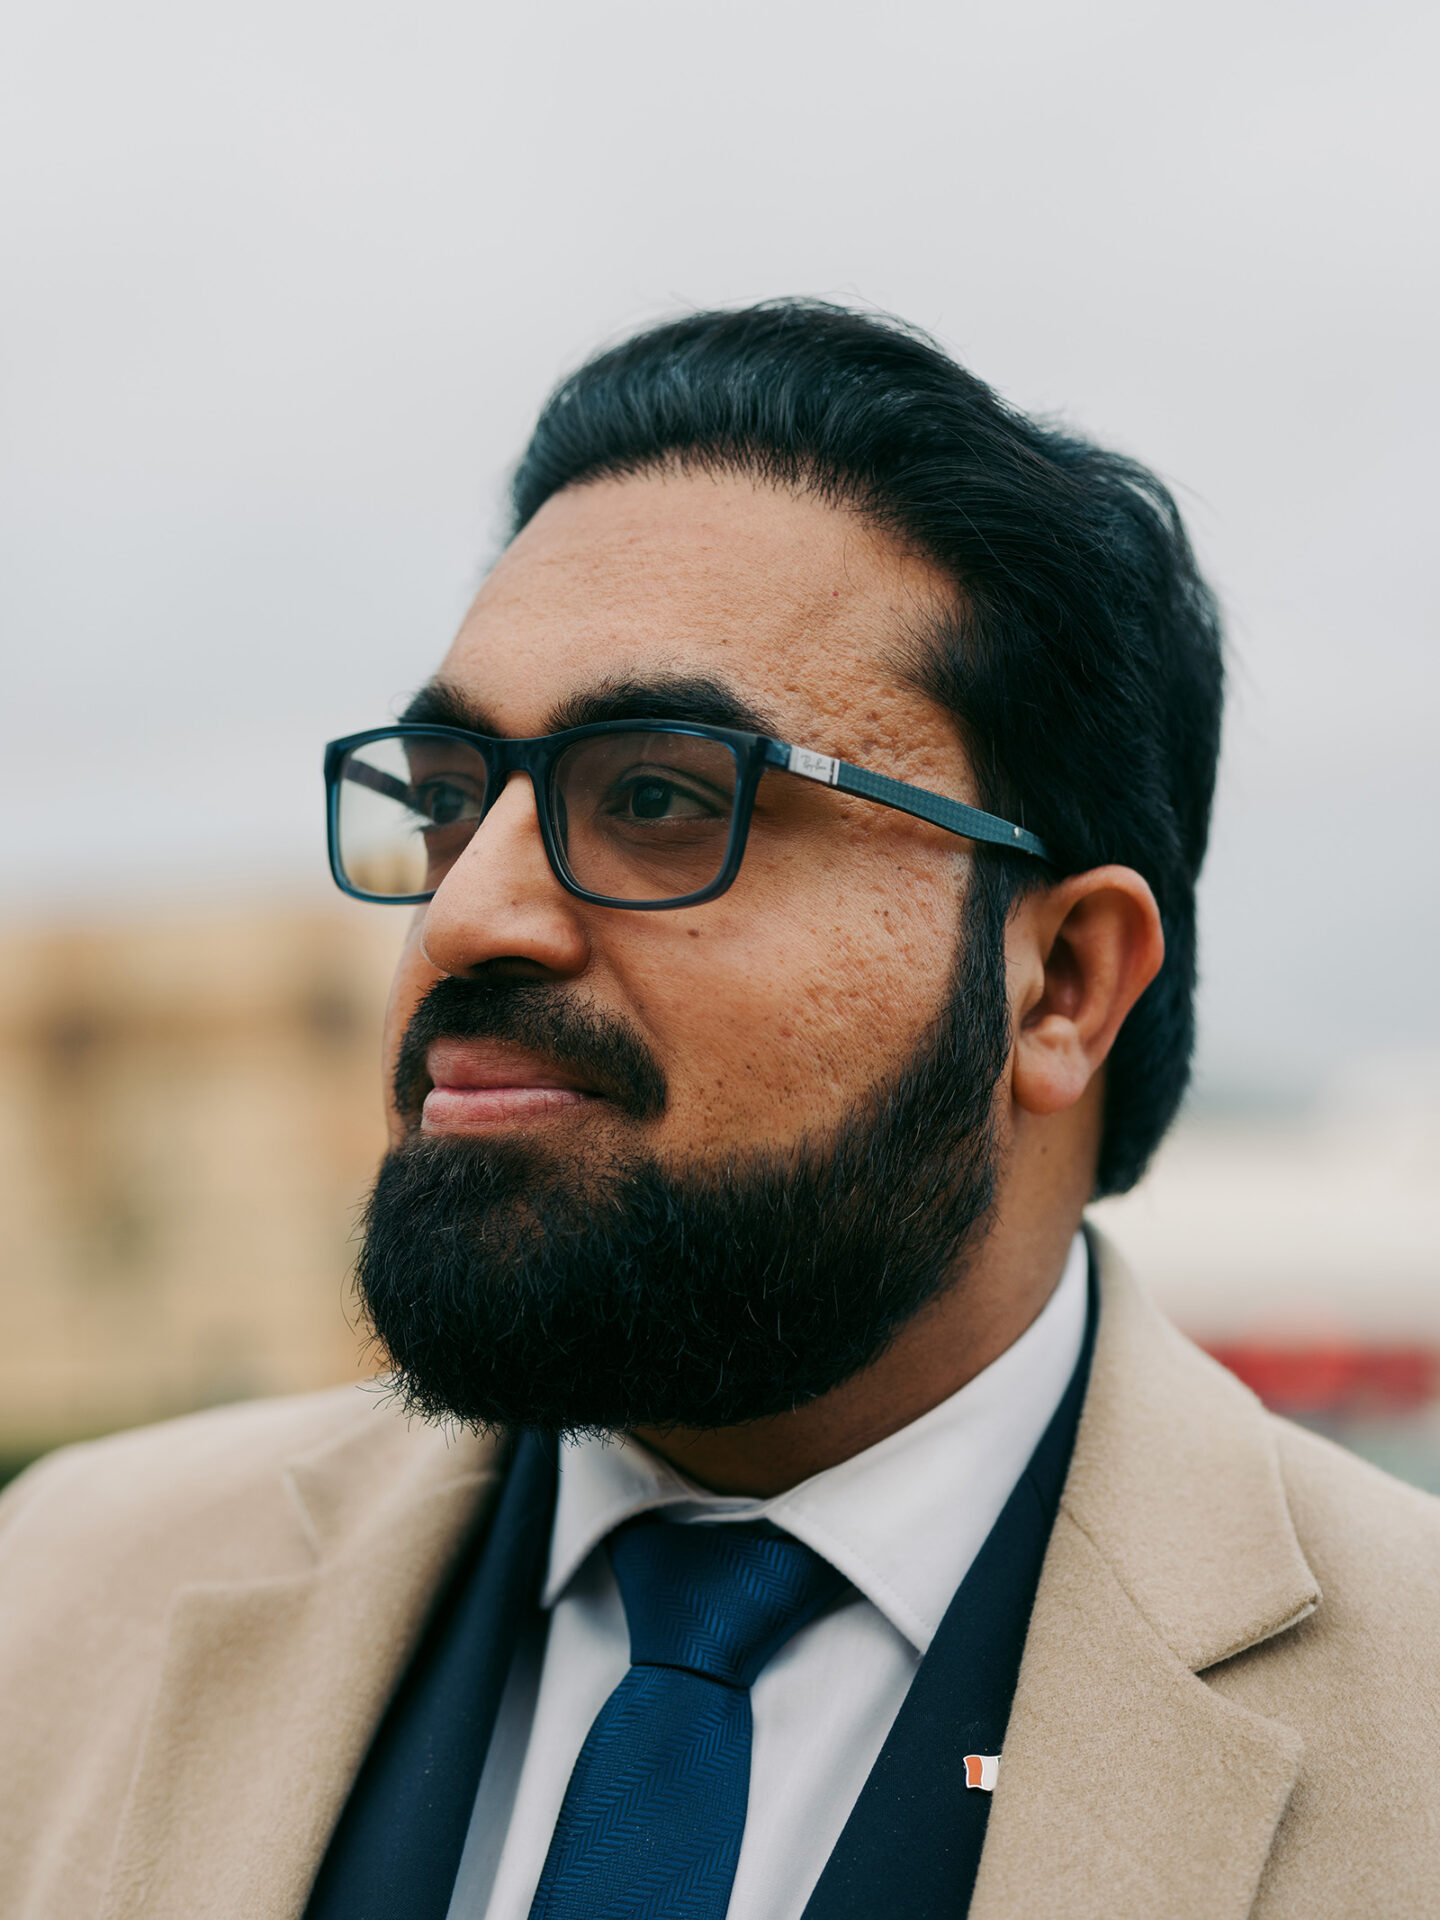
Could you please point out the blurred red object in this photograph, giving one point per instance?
(1334, 1377)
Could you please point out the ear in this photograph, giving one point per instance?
(1078, 956)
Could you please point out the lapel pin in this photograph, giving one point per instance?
(981, 1769)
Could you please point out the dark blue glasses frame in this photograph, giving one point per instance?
(755, 753)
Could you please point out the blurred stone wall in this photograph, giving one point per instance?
(189, 1117)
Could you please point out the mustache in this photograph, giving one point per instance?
(602, 1048)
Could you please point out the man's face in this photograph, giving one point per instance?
(773, 1011)
(689, 1167)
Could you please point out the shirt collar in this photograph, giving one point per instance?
(903, 1520)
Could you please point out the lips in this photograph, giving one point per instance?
(476, 1085)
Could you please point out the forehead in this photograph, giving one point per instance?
(802, 608)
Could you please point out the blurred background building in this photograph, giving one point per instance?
(285, 286)
(189, 1115)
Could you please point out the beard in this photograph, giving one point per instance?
(511, 1287)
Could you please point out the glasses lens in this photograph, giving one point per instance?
(408, 806)
(645, 816)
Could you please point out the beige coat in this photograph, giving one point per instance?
(1229, 1703)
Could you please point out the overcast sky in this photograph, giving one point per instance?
(286, 281)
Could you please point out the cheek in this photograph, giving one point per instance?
(771, 1023)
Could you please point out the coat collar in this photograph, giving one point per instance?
(271, 1688)
(1128, 1786)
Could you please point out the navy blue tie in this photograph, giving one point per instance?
(651, 1824)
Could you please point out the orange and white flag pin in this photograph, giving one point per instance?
(981, 1769)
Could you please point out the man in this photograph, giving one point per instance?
(782, 1507)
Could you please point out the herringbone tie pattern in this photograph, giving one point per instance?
(651, 1824)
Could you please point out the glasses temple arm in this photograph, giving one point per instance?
(361, 774)
(953, 815)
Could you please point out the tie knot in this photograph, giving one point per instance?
(716, 1600)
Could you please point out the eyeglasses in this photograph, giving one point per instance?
(633, 813)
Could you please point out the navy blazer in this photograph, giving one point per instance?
(911, 1847)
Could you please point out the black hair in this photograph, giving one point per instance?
(1083, 659)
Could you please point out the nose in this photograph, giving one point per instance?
(500, 906)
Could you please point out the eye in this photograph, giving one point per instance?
(441, 802)
(647, 797)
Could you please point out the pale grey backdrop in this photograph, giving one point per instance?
(285, 282)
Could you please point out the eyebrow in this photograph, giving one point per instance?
(664, 697)
(440, 703)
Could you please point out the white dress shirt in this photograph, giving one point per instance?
(902, 1521)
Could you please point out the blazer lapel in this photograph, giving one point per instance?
(271, 1689)
(1127, 1787)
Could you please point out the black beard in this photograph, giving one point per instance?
(512, 1289)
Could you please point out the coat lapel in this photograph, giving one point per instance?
(1127, 1786)
(271, 1689)
(397, 1848)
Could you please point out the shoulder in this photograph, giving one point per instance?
(1231, 1527)
(249, 1433)
(103, 1546)
(97, 1540)
(1359, 1678)
(1359, 1681)
(1373, 1541)
(202, 1497)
